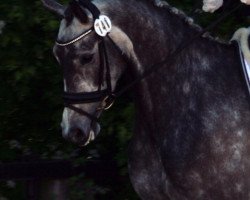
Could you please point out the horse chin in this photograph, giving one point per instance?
(94, 131)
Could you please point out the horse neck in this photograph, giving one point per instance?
(155, 32)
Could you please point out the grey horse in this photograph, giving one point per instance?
(192, 133)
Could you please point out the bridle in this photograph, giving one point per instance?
(102, 26)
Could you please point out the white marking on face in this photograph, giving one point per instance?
(65, 121)
(67, 113)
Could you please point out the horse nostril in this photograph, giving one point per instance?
(77, 135)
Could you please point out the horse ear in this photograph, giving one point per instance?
(54, 7)
(78, 12)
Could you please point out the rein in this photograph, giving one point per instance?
(102, 26)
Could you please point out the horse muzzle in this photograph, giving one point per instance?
(81, 133)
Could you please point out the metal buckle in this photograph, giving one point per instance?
(107, 102)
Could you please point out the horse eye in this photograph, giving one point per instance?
(86, 59)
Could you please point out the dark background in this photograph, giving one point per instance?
(31, 104)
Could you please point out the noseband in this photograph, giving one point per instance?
(102, 26)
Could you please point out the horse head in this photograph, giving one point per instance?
(82, 50)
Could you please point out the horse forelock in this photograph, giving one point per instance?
(69, 31)
(75, 22)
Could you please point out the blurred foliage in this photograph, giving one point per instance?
(31, 104)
